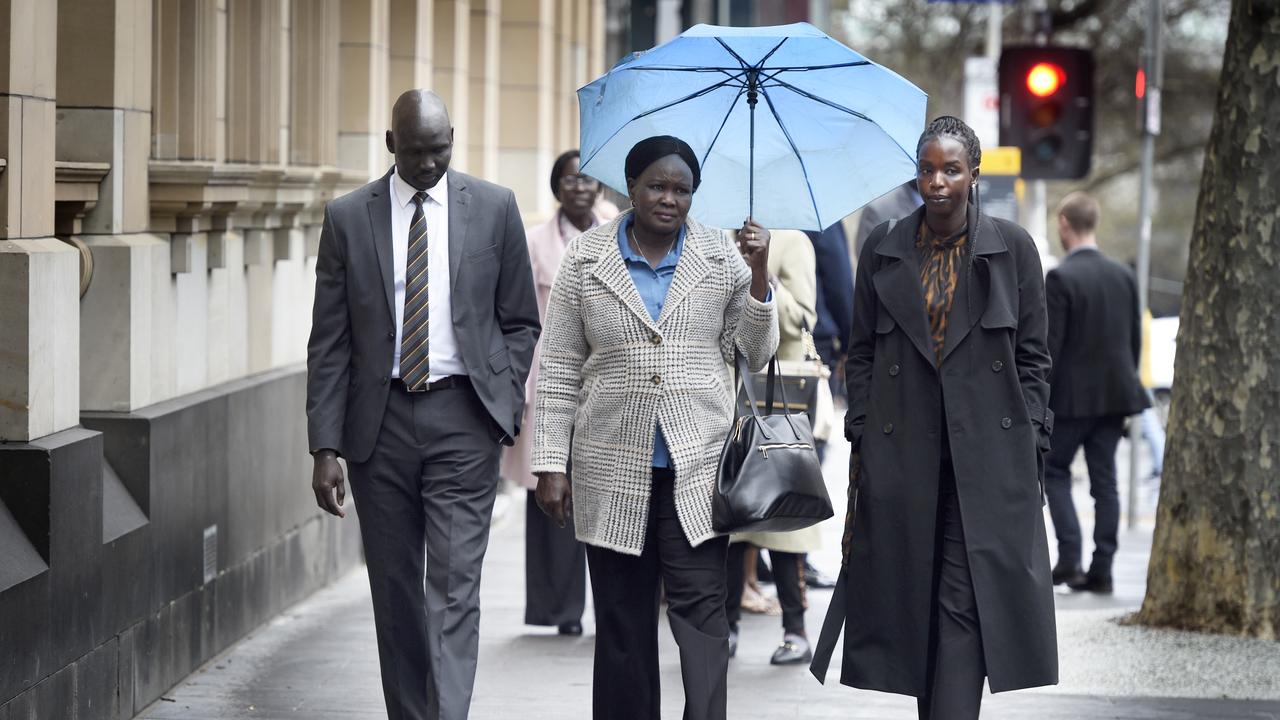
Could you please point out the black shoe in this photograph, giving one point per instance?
(733, 640)
(793, 651)
(1065, 575)
(1100, 584)
(815, 578)
(571, 628)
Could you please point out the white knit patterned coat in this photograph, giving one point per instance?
(609, 374)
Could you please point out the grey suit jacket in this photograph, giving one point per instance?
(495, 311)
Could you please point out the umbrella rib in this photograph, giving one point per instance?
(841, 108)
(803, 169)
(723, 122)
(761, 65)
(735, 55)
(698, 94)
(723, 83)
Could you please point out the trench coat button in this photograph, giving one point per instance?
(656, 339)
(888, 429)
(1006, 423)
(656, 379)
(894, 370)
(997, 366)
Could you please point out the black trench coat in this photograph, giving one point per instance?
(993, 380)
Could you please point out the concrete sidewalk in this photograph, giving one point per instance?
(318, 660)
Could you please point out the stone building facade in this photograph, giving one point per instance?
(164, 166)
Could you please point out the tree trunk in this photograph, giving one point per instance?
(1215, 564)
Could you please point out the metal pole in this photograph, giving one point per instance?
(1153, 66)
(1037, 218)
(995, 18)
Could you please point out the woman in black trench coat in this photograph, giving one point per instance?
(947, 576)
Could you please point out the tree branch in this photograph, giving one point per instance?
(1164, 156)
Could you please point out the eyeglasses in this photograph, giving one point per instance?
(582, 181)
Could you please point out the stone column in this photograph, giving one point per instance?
(411, 46)
(104, 116)
(255, 63)
(528, 82)
(39, 275)
(185, 84)
(364, 108)
(313, 91)
(451, 56)
(482, 135)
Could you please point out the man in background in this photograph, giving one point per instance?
(1095, 339)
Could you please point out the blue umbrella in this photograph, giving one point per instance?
(826, 129)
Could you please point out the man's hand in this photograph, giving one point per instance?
(554, 496)
(327, 483)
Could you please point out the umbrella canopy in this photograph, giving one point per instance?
(791, 126)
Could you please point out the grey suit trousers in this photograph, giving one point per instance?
(426, 493)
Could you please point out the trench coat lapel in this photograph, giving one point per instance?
(973, 288)
(611, 271)
(699, 244)
(898, 285)
(379, 207)
(459, 221)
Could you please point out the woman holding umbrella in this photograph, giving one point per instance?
(645, 316)
(947, 576)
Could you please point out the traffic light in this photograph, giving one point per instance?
(1046, 109)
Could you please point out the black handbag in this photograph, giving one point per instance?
(769, 477)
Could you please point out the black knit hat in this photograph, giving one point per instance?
(650, 150)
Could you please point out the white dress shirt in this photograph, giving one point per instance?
(442, 349)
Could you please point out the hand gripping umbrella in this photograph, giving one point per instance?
(833, 132)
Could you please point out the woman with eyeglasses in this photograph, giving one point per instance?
(555, 564)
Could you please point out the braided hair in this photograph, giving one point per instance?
(953, 127)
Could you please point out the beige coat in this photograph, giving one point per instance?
(547, 244)
(609, 374)
(791, 261)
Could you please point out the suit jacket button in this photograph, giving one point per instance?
(888, 428)
(657, 379)
(384, 379)
(391, 334)
(656, 339)
(997, 366)
(1006, 423)
(894, 370)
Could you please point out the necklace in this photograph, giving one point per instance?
(631, 234)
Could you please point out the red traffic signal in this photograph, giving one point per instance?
(1045, 78)
(1046, 109)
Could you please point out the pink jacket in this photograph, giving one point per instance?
(546, 248)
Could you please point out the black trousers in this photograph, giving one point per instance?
(953, 690)
(1099, 436)
(555, 566)
(788, 578)
(425, 500)
(626, 590)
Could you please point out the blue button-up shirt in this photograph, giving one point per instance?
(652, 283)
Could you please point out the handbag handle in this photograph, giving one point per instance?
(742, 371)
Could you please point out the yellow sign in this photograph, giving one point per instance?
(1002, 161)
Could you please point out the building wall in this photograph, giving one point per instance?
(165, 165)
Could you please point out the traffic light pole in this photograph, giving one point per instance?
(1153, 69)
(1038, 213)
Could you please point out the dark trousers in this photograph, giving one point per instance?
(1099, 436)
(953, 689)
(626, 589)
(788, 578)
(425, 499)
(555, 567)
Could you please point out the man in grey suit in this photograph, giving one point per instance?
(424, 324)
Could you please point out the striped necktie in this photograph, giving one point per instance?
(414, 367)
